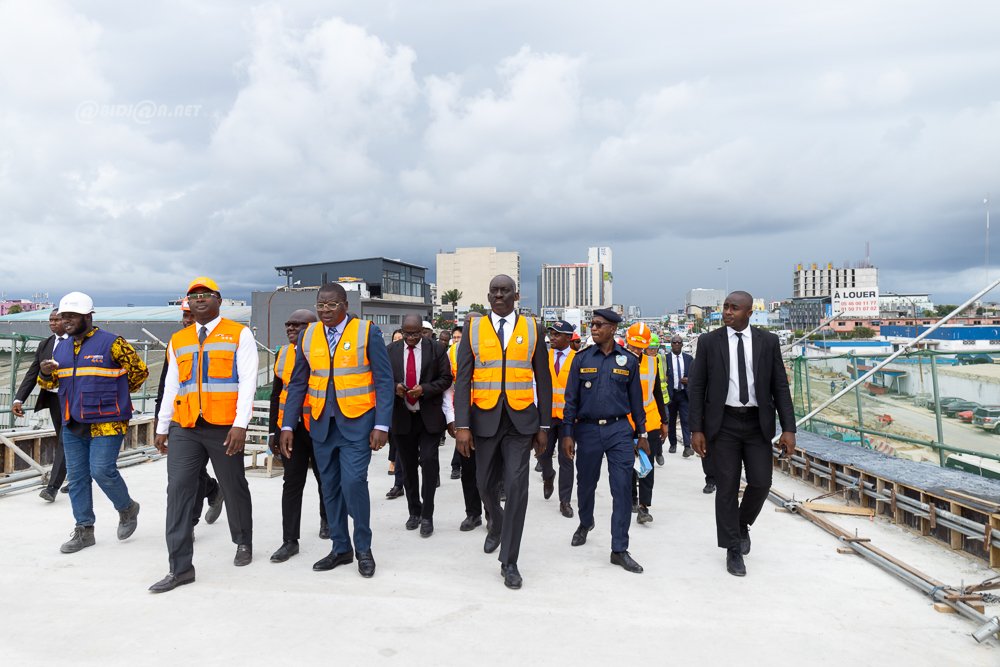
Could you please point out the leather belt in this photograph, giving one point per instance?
(744, 411)
(601, 422)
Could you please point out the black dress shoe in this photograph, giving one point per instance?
(538, 466)
(48, 495)
(287, 549)
(644, 515)
(65, 488)
(635, 507)
(366, 564)
(324, 529)
(471, 523)
(547, 488)
(215, 507)
(413, 522)
(734, 563)
(659, 460)
(394, 492)
(566, 510)
(673, 449)
(426, 527)
(511, 577)
(172, 581)
(244, 554)
(332, 560)
(709, 488)
(688, 452)
(491, 544)
(580, 536)
(625, 559)
(456, 473)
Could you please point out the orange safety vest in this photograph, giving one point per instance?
(353, 383)
(453, 358)
(496, 369)
(647, 377)
(209, 381)
(284, 364)
(559, 380)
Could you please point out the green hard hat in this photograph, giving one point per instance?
(654, 341)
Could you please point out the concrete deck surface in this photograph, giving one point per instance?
(441, 601)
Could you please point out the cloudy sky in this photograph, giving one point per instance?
(144, 143)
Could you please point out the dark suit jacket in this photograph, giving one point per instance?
(434, 375)
(669, 372)
(357, 429)
(708, 383)
(43, 352)
(484, 423)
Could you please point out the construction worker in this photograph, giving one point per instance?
(638, 340)
(207, 405)
(575, 342)
(94, 377)
(602, 390)
(560, 358)
(467, 464)
(302, 459)
(208, 488)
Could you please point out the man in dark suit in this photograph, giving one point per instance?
(421, 373)
(502, 365)
(344, 368)
(737, 383)
(47, 400)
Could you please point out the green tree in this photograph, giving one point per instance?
(943, 309)
(479, 308)
(16, 308)
(863, 332)
(443, 322)
(452, 296)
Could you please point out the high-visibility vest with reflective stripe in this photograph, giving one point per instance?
(664, 359)
(453, 358)
(284, 363)
(647, 377)
(353, 383)
(559, 380)
(209, 381)
(93, 388)
(495, 369)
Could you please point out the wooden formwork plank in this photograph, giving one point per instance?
(994, 548)
(925, 522)
(8, 459)
(956, 537)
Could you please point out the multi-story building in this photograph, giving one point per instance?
(812, 280)
(470, 270)
(903, 305)
(806, 313)
(702, 300)
(583, 286)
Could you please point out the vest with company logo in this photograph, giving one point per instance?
(496, 370)
(284, 363)
(559, 380)
(93, 387)
(209, 381)
(353, 383)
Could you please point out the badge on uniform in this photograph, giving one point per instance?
(519, 340)
(347, 345)
(621, 360)
(587, 384)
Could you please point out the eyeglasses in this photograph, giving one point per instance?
(412, 334)
(598, 325)
(323, 305)
(296, 324)
(200, 296)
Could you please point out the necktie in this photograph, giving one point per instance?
(202, 334)
(500, 331)
(741, 361)
(411, 375)
(331, 337)
(558, 360)
(678, 371)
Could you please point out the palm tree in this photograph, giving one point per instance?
(452, 296)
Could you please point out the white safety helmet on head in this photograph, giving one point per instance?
(76, 302)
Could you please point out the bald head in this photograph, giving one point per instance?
(413, 319)
(737, 309)
(297, 323)
(503, 294)
(741, 297)
(302, 316)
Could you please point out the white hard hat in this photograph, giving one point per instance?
(76, 302)
(426, 325)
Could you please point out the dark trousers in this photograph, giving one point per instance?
(642, 487)
(207, 488)
(456, 460)
(397, 477)
(58, 473)
(297, 468)
(470, 487)
(343, 472)
(678, 407)
(418, 450)
(565, 463)
(503, 457)
(739, 443)
(593, 443)
(189, 450)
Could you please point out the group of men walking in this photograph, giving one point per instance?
(339, 392)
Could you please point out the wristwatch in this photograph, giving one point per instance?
(643, 435)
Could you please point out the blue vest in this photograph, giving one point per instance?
(93, 388)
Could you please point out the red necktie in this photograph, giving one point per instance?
(411, 375)
(558, 359)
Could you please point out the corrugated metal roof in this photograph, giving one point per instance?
(132, 314)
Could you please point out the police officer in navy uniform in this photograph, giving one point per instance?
(602, 390)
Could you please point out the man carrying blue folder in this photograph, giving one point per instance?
(602, 391)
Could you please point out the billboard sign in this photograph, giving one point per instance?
(855, 302)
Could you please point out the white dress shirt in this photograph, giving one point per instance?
(733, 397)
(246, 371)
(508, 327)
(406, 360)
(448, 400)
(678, 361)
